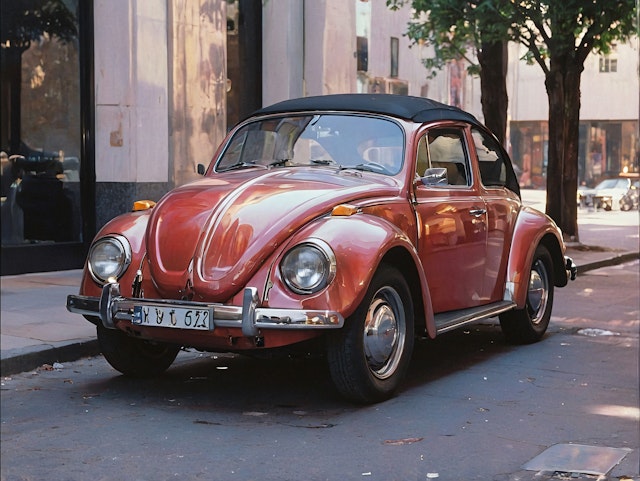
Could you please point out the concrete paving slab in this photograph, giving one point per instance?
(577, 458)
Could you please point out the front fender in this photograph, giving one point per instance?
(360, 243)
(532, 229)
(133, 226)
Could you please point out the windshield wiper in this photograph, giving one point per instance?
(277, 162)
(323, 161)
(243, 165)
(371, 167)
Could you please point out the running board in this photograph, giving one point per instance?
(446, 321)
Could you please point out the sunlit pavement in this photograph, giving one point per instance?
(613, 230)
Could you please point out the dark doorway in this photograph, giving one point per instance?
(244, 59)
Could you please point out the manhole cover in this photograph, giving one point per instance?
(577, 458)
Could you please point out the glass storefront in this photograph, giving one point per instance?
(606, 149)
(41, 137)
(529, 141)
(41, 140)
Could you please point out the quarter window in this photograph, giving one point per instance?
(493, 171)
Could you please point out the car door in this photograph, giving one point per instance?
(451, 219)
(501, 203)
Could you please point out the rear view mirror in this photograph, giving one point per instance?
(201, 169)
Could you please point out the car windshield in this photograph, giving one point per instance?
(344, 141)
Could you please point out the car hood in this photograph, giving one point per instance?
(206, 239)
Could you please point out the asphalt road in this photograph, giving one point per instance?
(472, 408)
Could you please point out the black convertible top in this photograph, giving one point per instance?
(418, 109)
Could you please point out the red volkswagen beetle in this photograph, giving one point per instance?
(357, 220)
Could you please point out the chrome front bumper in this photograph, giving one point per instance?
(111, 307)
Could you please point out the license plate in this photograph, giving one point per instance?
(199, 319)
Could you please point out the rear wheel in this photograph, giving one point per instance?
(524, 326)
(370, 355)
(135, 357)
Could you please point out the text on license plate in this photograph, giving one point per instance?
(174, 316)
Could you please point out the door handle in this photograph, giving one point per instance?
(476, 212)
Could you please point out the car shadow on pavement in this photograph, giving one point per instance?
(231, 382)
(219, 381)
(455, 351)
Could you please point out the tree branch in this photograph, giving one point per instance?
(586, 44)
(530, 43)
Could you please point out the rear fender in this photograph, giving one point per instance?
(532, 228)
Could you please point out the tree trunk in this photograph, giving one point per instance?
(563, 89)
(493, 58)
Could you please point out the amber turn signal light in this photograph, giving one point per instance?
(143, 205)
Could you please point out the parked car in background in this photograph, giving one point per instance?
(606, 195)
(630, 200)
(348, 224)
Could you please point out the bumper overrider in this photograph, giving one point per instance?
(571, 268)
(111, 308)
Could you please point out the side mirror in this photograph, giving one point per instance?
(201, 169)
(435, 176)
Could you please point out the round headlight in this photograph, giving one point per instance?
(308, 267)
(109, 257)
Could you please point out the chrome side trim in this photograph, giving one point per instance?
(447, 321)
(509, 291)
(111, 307)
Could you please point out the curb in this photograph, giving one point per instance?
(611, 261)
(32, 358)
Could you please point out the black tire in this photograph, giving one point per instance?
(370, 355)
(528, 325)
(135, 357)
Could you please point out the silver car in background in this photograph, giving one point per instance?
(606, 195)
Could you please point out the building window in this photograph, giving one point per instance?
(363, 54)
(394, 57)
(608, 64)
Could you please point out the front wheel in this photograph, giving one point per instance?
(528, 325)
(370, 355)
(135, 357)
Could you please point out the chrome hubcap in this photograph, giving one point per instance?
(538, 291)
(384, 333)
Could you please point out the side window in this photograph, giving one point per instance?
(444, 148)
(493, 171)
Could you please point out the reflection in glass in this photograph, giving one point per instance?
(40, 122)
(346, 141)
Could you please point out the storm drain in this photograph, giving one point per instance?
(577, 458)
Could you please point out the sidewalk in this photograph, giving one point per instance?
(36, 329)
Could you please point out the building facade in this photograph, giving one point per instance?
(609, 137)
(122, 100)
